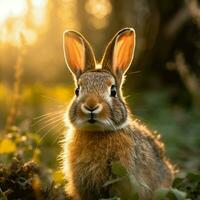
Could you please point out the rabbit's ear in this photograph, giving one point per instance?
(78, 53)
(119, 52)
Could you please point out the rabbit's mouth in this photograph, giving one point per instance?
(91, 120)
(93, 124)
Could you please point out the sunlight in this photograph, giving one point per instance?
(11, 8)
(39, 11)
(69, 18)
(12, 35)
(99, 8)
(16, 18)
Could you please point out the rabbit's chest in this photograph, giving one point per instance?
(93, 165)
(91, 162)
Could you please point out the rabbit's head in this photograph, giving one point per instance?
(98, 103)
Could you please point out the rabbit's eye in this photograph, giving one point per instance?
(113, 91)
(77, 91)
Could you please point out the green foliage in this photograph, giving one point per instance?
(190, 184)
(170, 194)
(179, 127)
(126, 187)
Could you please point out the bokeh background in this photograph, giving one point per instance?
(162, 86)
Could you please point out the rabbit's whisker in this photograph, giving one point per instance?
(111, 123)
(134, 72)
(60, 131)
(51, 123)
(48, 119)
(49, 114)
(52, 99)
(54, 127)
(43, 136)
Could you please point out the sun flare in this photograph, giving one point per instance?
(14, 20)
(12, 8)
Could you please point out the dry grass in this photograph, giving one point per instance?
(14, 110)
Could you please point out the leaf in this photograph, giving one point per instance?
(7, 146)
(193, 177)
(118, 169)
(134, 183)
(111, 182)
(172, 194)
(143, 184)
(160, 194)
(178, 194)
(177, 182)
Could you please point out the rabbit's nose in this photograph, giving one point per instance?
(91, 109)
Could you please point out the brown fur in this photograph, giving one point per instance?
(90, 148)
(91, 153)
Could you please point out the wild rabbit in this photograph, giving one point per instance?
(101, 128)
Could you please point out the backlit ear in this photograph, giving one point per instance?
(119, 52)
(78, 53)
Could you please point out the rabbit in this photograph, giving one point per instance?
(101, 129)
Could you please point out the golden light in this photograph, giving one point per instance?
(39, 11)
(11, 8)
(69, 18)
(12, 34)
(14, 20)
(99, 10)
